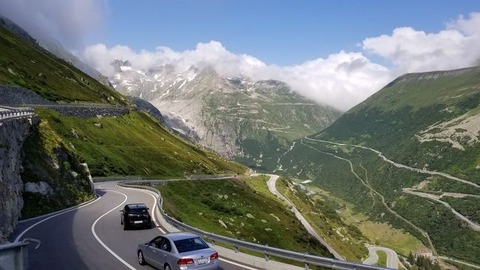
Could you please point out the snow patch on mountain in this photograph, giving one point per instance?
(220, 113)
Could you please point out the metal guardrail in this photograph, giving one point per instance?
(268, 251)
(11, 112)
(14, 256)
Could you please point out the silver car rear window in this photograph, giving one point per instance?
(190, 244)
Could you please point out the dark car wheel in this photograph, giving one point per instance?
(125, 226)
(141, 259)
(167, 267)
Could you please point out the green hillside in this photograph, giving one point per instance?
(241, 209)
(132, 144)
(428, 124)
(25, 64)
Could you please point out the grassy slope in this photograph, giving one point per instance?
(320, 212)
(133, 144)
(48, 161)
(27, 65)
(248, 213)
(449, 235)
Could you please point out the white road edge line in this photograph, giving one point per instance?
(101, 242)
(157, 223)
(237, 264)
(61, 212)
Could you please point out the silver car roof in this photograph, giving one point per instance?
(180, 236)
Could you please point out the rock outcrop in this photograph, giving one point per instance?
(12, 135)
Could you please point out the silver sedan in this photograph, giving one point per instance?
(179, 251)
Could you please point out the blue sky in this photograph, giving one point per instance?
(335, 52)
(285, 32)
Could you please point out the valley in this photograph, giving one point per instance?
(344, 153)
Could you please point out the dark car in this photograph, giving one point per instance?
(178, 251)
(135, 215)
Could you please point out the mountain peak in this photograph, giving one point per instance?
(271, 83)
(118, 64)
(208, 71)
(17, 30)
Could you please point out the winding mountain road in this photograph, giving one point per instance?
(473, 225)
(398, 165)
(392, 257)
(436, 198)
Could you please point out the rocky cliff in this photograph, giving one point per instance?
(12, 135)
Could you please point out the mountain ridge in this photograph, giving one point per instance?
(55, 48)
(434, 93)
(226, 111)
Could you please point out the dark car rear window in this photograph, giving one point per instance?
(138, 210)
(190, 244)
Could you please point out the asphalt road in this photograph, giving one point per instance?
(392, 257)
(90, 236)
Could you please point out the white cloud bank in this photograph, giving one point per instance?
(414, 51)
(342, 80)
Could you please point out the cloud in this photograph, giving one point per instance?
(342, 80)
(416, 51)
(67, 21)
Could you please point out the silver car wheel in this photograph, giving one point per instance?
(167, 267)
